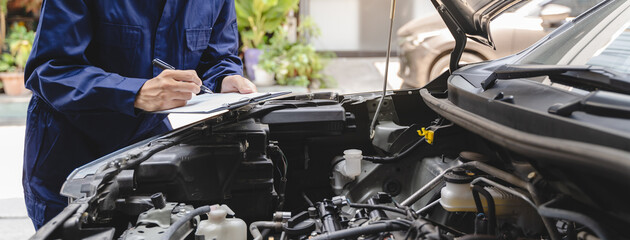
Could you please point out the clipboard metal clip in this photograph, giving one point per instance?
(246, 101)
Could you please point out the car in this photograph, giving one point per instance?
(535, 145)
(425, 43)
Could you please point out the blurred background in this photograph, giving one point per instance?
(287, 45)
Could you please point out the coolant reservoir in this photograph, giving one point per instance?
(457, 195)
(353, 162)
(219, 227)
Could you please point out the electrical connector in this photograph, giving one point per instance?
(427, 134)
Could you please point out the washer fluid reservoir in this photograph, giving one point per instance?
(457, 195)
(219, 227)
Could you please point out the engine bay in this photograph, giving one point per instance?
(305, 167)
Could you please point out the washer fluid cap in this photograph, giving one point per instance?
(218, 213)
(353, 152)
(458, 175)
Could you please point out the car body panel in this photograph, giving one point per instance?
(537, 95)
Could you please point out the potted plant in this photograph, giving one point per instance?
(30, 6)
(256, 20)
(3, 20)
(297, 63)
(19, 43)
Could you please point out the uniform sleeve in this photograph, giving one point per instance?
(59, 72)
(220, 59)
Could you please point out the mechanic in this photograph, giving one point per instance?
(93, 82)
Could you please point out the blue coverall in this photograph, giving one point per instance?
(89, 60)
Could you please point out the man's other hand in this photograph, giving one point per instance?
(237, 83)
(170, 89)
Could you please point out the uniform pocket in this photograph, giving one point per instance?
(117, 45)
(197, 40)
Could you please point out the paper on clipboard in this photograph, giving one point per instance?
(207, 103)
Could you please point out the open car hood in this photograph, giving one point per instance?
(470, 19)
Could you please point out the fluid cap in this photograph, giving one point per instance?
(219, 212)
(312, 212)
(352, 167)
(459, 175)
(158, 200)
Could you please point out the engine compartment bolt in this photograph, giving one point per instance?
(182, 212)
(531, 175)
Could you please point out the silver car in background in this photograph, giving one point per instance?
(425, 43)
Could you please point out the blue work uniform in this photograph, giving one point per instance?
(89, 60)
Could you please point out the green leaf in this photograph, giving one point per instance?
(295, 63)
(19, 42)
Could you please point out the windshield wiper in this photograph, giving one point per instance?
(598, 102)
(581, 76)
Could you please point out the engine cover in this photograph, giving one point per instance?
(229, 166)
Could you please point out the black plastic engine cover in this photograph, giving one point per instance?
(323, 119)
(229, 166)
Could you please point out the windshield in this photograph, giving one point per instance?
(532, 8)
(616, 55)
(601, 39)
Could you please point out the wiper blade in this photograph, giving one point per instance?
(598, 102)
(581, 76)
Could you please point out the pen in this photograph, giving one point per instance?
(163, 65)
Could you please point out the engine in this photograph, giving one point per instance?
(307, 168)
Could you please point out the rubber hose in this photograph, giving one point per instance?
(253, 228)
(381, 207)
(551, 228)
(355, 232)
(492, 216)
(545, 210)
(265, 232)
(395, 157)
(186, 218)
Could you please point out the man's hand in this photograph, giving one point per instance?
(237, 83)
(170, 89)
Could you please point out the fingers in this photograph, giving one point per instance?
(170, 89)
(179, 86)
(250, 87)
(173, 88)
(244, 88)
(182, 75)
(181, 96)
(237, 83)
(181, 80)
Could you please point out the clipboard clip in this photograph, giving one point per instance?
(246, 101)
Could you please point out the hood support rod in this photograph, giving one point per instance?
(389, 51)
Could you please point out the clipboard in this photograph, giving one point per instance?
(209, 103)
